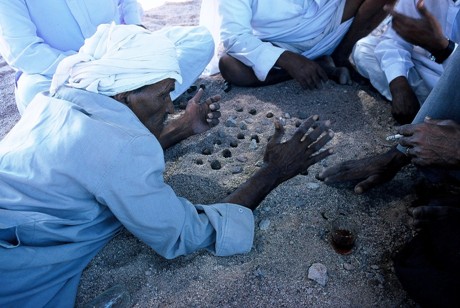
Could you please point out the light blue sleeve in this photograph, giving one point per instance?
(19, 44)
(137, 195)
(239, 41)
(130, 12)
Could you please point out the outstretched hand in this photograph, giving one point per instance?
(432, 143)
(370, 171)
(201, 116)
(197, 118)
(425, 32)
(284, 160)
(295, 155)
(435, 211)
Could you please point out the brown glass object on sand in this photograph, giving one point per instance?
(343, 236)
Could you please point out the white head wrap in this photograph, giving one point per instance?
(119, 58)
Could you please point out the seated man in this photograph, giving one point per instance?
(429, 265)
(400, 63)
(268, 42)
(87, 160)
(36, 36)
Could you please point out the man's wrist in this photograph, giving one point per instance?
(439, 56)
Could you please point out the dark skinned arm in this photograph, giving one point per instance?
(283, 161)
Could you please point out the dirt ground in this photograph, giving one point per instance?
(292, 224)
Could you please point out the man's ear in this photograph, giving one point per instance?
(122, 97)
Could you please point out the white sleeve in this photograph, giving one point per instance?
(19, 44)
(393, 52)
(135, 192)
(238, 39)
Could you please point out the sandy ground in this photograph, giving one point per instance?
(292, 223)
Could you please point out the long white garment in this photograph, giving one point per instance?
(383, 58)
(256, 32)
(74, 170)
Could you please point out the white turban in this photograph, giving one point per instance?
(117, 59)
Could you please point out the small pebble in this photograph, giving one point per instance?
(264, 224)
(192, 89)
(218, 141)
(348, 266)
(226, 153)
(312, 186)
(259, 130)
(269, 115)
(253, 111)
(242, 158)
(266, 122)
(231, 122)
(318, 272)
(233, 143)
(287, 115)
(249, 121)
(256, 138)
(206, 151)
(199, 161)
(227, 86)
(239, 108)
(298, 123)
(215, 165)
(240, 136)
(259, 163)
(243, 126)
(253, 144)
(202, 86)
(375, 267)
(236, 169)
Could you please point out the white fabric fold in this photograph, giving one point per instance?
(117, 59)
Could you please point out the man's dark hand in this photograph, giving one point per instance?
(371, 171)
(434, 143)
(435, 211)
(287, 159)
(201, 116)
(308, 73)
(405, 104)
(425, 32)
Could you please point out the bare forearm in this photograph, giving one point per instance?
(174, 132)
(255, 189)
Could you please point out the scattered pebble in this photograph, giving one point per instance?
(264, 224)
(269, 115)
(318, 272)
(218, 141)
(227, 86)
(259, 163)
(221, 133)
(236, 169)
(243, 126)
(240, 136)
(233, 143)
(239, 108)
(312, 185)
(215, 165)
(253, 144)
(375, 267)
(249, 121)
(298, 123)
(255, 137)
(242, 158)
(206, 151)
(226, 153)
(231, 122)
(287, 115)
(266, 122)
(348, 266)
(199, 161)
(259, 130)
(253, 111)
